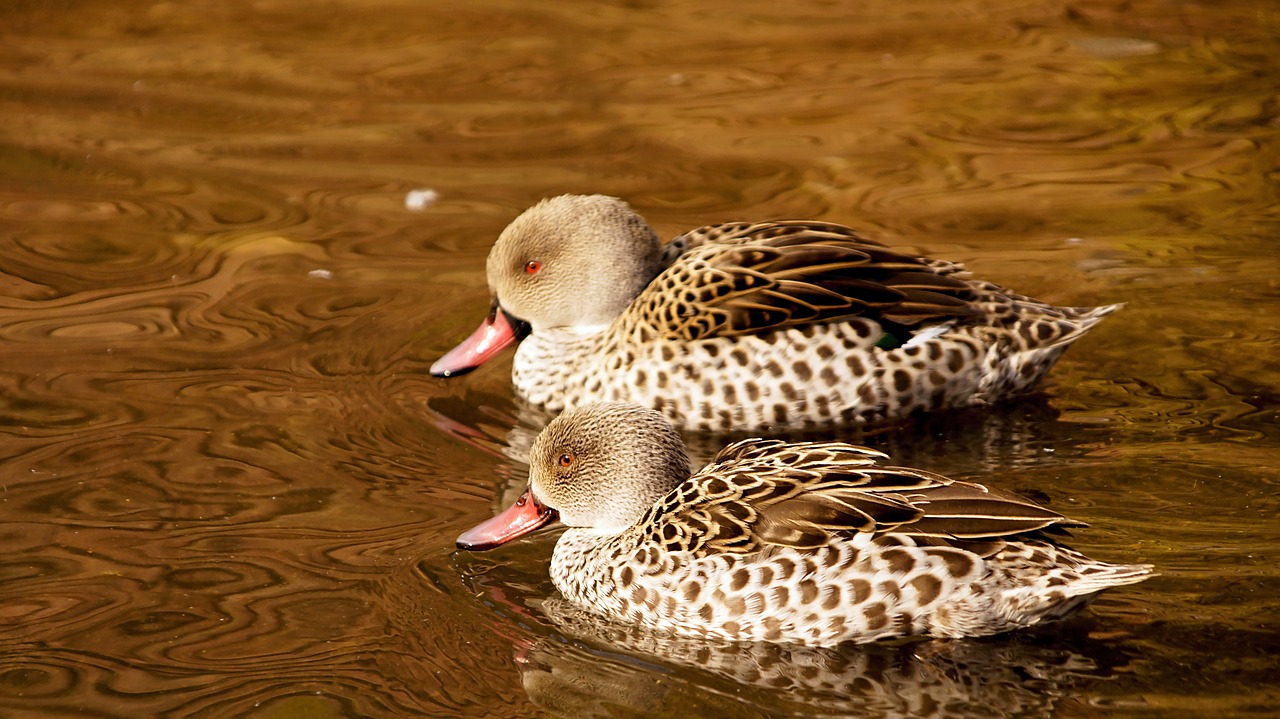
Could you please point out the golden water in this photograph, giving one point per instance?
(229, 488)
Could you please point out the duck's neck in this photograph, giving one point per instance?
(582, 565)
(550, 363)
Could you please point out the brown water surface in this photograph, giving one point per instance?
(228, 487)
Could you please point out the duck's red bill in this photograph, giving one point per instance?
(526, 515)
(496, 333)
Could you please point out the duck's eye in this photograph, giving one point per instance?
(532, 266)
(566, 460)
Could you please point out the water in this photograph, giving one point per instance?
(229, 488)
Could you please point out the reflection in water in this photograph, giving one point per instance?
(942, 680)
(582, 666)
(976, 442)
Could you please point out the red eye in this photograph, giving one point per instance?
(532, 266)
(566, 460)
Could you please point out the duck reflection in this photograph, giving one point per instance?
(583, 666)
(1016, 433)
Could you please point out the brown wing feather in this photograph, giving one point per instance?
(965, 510)
(747, 278)
(757, 494)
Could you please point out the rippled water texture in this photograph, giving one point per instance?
(228, 486)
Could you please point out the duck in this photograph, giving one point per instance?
(750, 326)
(810, 543)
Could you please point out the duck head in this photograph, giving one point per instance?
(599, 467)
(571, 262)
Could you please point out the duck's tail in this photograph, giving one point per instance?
(1033, 582)
(1068, 583)
(1027, 346)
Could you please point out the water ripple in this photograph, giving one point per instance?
(230, 488)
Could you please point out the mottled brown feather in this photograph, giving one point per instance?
(757, 494)
(772, 275)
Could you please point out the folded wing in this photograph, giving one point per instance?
(747, 278)
(758, 494)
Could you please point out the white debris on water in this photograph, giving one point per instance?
(419, 200)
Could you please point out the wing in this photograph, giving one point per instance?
(761, 493)
(747, 278)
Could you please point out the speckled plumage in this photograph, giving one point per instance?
(808, 543)
(748, 326)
